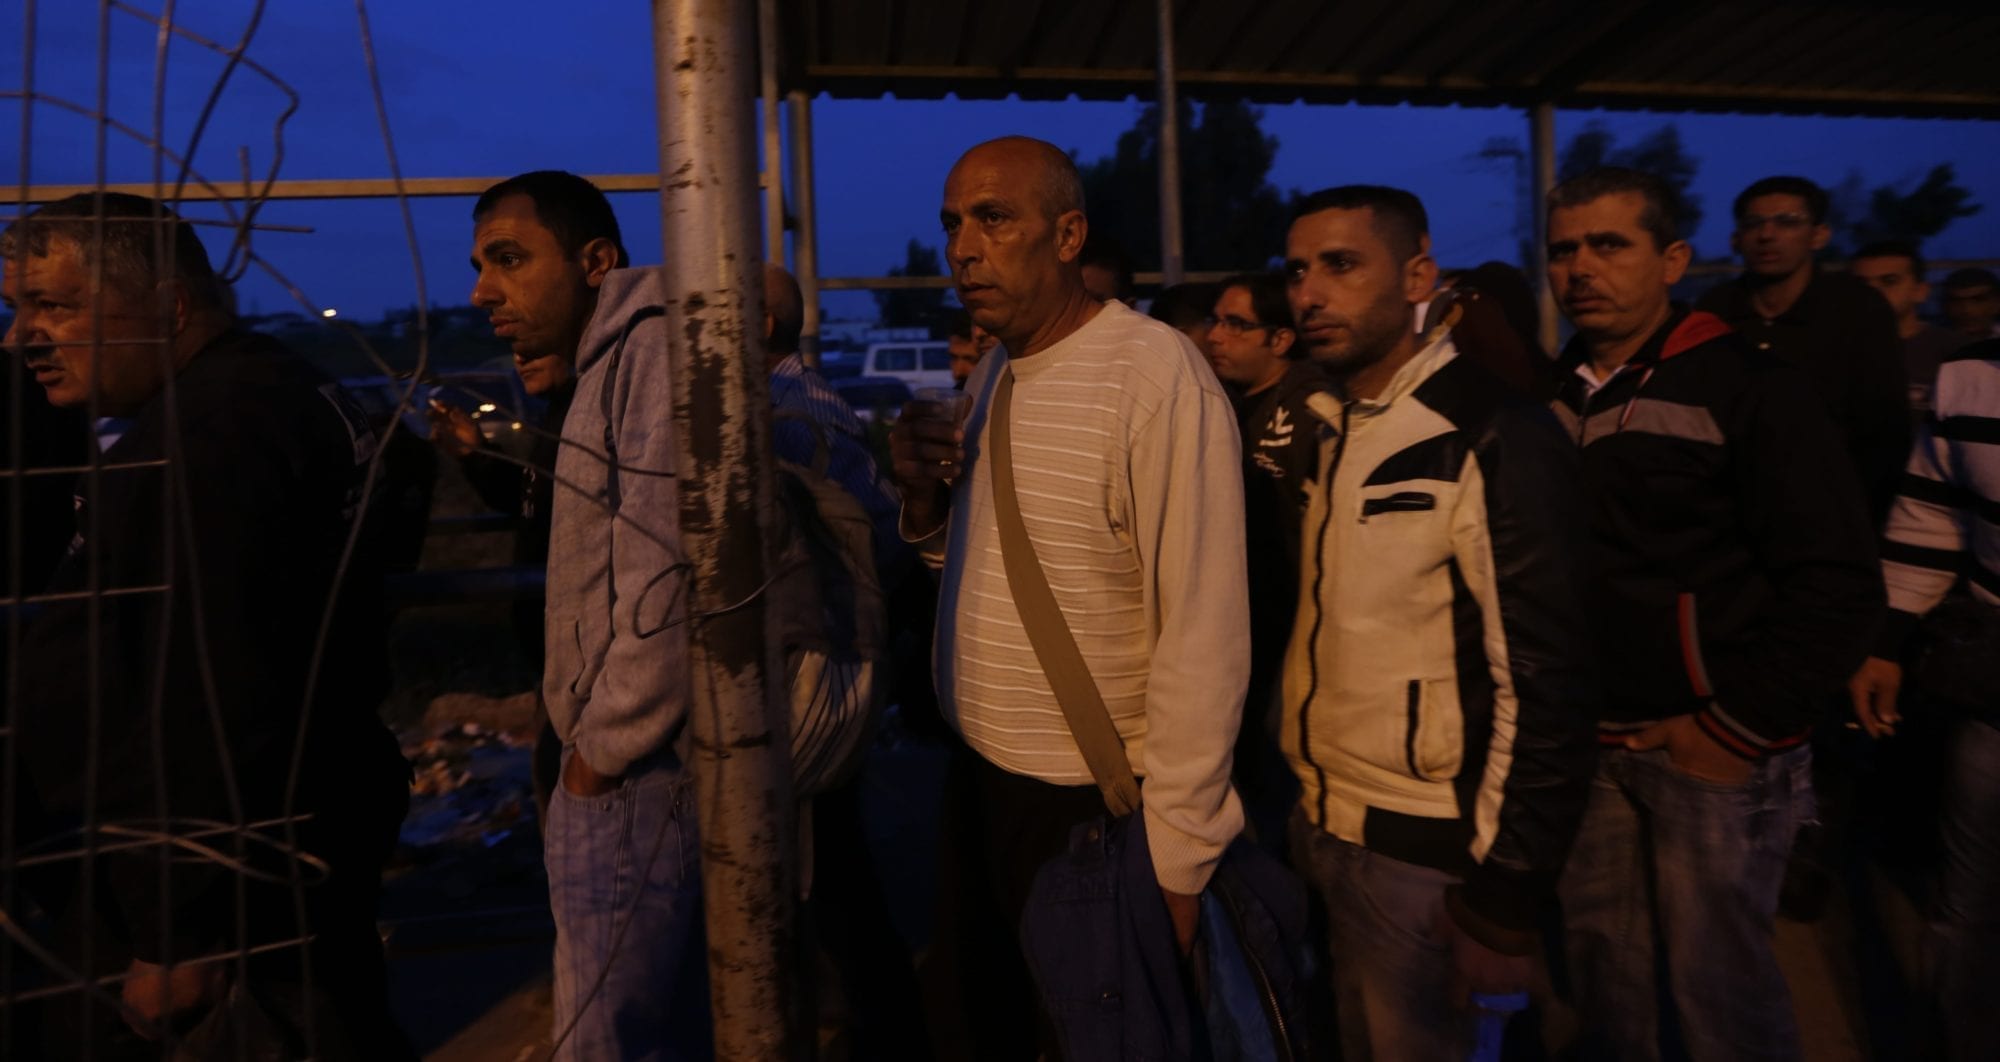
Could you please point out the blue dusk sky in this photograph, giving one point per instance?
(493, 87)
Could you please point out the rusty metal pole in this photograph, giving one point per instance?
(774, 171)
(705, 60)
(1542, 147)
(805, 241)
(1172, 263)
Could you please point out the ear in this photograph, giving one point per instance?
(1678, 255)
(1282, 340)
(1735, 242)
(600, 256)
(1071, 228)
(1420, 276)
(179, 307)
(1822, 234)
(1923, 291)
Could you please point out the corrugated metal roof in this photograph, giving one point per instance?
(1833, 57)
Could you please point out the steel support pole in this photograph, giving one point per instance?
(704, 55)
(1172, 261)
(1542, 146)
(773, 179)
(805, 239)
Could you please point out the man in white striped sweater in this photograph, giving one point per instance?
(1946, 523)
(1129, 477)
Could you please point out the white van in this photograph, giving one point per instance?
(919, 364)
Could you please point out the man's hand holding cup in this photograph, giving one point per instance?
(927, 445)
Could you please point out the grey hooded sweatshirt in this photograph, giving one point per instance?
(616, 679)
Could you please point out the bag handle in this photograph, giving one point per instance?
(1055, 647)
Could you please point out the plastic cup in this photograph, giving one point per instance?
(947, 405)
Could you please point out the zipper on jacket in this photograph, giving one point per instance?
(1411, 702)
(1319, 615)
(1267, 994)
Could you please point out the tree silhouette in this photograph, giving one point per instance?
(1859, 216)
(914, 307)
(1234, 217)
(1659, 152)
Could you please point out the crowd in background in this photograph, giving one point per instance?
(1556, 673)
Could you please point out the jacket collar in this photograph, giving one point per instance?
(1683, 331)
(1432, 356)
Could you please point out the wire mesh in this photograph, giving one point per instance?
(67, 973)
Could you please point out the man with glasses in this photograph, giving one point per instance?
(1831, 325)
(1251, 347)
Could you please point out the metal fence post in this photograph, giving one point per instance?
(1172, 263)
(705, 56)
(1542, 145)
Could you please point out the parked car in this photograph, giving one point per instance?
(919, 364)
(873, 398)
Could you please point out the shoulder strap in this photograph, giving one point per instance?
(1082, 705)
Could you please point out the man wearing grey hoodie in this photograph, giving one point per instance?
(619, 834)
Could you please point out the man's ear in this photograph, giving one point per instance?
(1678, 255)
(1735, 242)
(1822, 235)
(1071, 228)
(600, 256)
(1420, 277)
(1282, 340)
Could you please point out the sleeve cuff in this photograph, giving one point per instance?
(1495, 912)
(1182, 863)
(1737, 738)
(1897, 626)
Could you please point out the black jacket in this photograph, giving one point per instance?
(191, 709)
(1841, 336)
(1736, 562)
(1280, 455)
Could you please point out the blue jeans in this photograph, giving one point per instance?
(1961, 949)
(625, 889)
(1391, 977)
(1674, 872)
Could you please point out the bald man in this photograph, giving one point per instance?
(1128, 474)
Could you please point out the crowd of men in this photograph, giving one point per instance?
(1519, 659)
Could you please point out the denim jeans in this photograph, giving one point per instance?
(1391, 976)
(1961, 949)
(625, 889)
(1671, 872)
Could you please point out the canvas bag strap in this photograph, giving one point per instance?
(1055, 647)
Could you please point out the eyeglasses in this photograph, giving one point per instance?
(1785, 222)
(1233, 325)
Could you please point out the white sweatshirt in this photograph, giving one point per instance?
(1129, 471)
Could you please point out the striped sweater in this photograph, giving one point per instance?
(1128, 469)
(1946, 519)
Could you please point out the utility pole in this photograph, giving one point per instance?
(705, 59)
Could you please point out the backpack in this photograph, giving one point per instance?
(825, 600)
(830, 618)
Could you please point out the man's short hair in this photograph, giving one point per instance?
(1896, 249)
(128, 250)
(1267, 297)
(1970, 277)
(1813, 194)
(1660, 214)
(1102, 250)
(960, 325)
(1183, 306)
(567, 205)
(1398, 215)
(787, 306)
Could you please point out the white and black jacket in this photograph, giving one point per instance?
(1439, 701)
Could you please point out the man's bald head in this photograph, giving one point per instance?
(784, 312)
(1051, 170)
